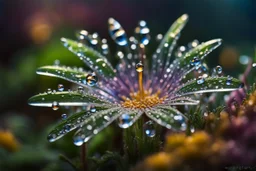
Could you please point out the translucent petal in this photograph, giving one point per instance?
(72, 122)
(168, 117)
(182, 101)
(92, 58)
(65, 98)
(74, 75)
(210, 84)
(94, 124)
(166, 46)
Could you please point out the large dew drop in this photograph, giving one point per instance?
(149, 129)
(139, 67)
(91, 79)
(179, 123)
(55, 105)
(125, 121)
(117, 32)
(142, 32)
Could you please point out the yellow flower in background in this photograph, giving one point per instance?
(8, 141)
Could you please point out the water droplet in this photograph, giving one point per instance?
(78, 140)
(91, 79)
(254, 65)
(56, 62)
(49, 91)
(125, 121)
(218, 69)
(200, 80)
(142, 32)
(195, 62)
(243, 59)
(159, 37)
(179, 123)
(92, 109)
(229, 81)
(55, 105)
(64, 116)
(67, 128)
(80, 89)
(82, 35)
(149, 129)
(51, 137)
(139, 67)
(193, 44)
(117, 32)
(60, 87)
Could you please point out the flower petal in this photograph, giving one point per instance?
(210, 84)
(168, 117)
(92, 58)
(73, 122)
(66, 98)
(163, 52)
(74, 75)
(199, 52)
(94, 124)
(182, 101)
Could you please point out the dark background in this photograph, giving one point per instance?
(30, 31)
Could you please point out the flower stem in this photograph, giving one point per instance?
(137, 144)
(83, 157)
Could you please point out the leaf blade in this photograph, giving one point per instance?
(73, 75)
(66, 98)
(210, 84)
(92, 58)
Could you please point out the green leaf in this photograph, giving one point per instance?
(169, 41)
(167, 117)
(92, 58)
(182, 101)
(95, 123)
(74, 75)
(65, 98)
(72, 122)
(210, 84)
(199, 52)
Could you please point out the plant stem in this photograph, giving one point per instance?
(83, 157)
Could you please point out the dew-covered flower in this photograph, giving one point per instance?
(137, 86)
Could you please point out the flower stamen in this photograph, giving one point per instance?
(136, 102)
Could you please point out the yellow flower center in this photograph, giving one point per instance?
(137, 101)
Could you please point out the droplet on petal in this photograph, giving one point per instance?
(49, 91)
(64, 116)
(149, 129)
(80, 89)
(195, 62)
(180, 123)
(254, 65)
(92, 109)
(91, 79)
(117, 32)
(51, 137)
(60, 87)
(218, 69)
(142, 32)
(139, 67)
(229, 81)
(78, 139)
(55, 105)
(200, 80)
(125, 121)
